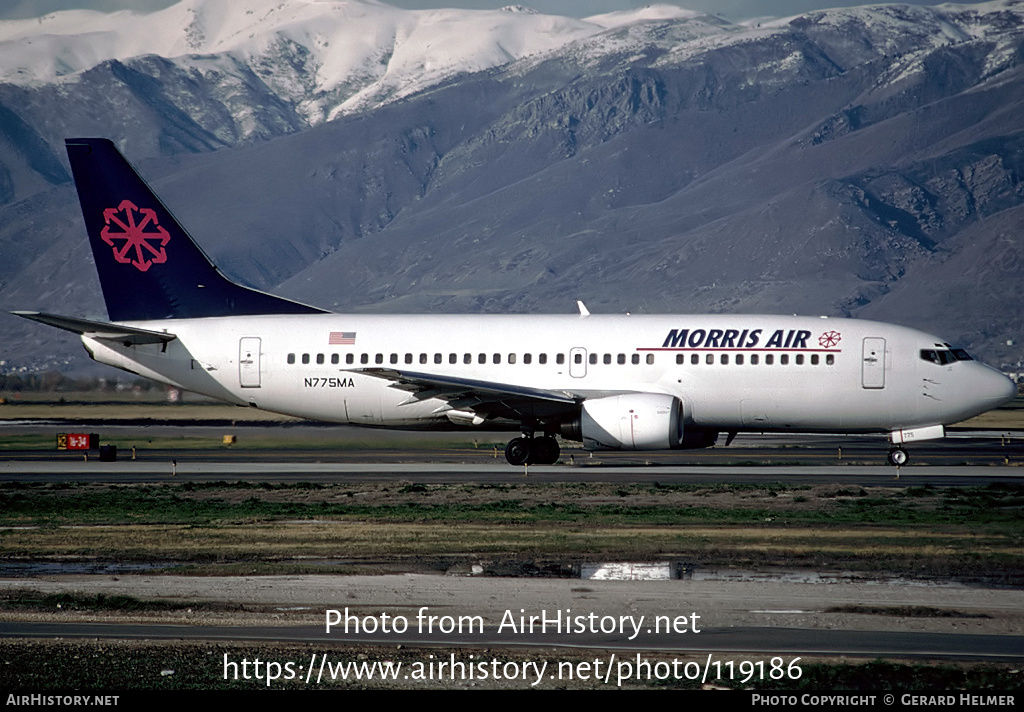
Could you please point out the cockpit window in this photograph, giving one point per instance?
(942, 357)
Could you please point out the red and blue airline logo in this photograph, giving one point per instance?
(747, 340)
(135, 235)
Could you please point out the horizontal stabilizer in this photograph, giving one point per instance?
(99, 329)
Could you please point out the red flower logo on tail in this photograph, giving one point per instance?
(140, 241)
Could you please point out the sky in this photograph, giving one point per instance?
(729, 9)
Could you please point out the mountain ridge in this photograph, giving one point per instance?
(859, 162)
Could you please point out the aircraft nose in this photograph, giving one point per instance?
(994, 388)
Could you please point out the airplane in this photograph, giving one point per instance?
(630, 382)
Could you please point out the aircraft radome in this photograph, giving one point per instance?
(633, 382)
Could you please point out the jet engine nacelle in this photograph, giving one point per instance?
(636, 421)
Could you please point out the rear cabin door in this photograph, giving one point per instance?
(249, 362)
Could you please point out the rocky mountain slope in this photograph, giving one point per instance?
(863, 161)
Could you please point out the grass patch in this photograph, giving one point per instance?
(905, 611)
(48, 602)
(984, 509)
(966, 532)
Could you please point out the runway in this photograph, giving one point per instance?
(302, 453)
(756, 617)
(761, 642)
(251, 470)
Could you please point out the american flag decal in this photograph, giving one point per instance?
(342, 338)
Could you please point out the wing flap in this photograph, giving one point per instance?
(450, 387)
(487, 398)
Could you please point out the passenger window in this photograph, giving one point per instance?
(481, 358)
(620, 359)
(438, 358)
(511, 358)
(350, 358)
(784, 359)
(394, 358)
(679, 359)
(694, 359)
(814, 359)
(710, 359)
(379, 358)
(527, 358)
(319, 358)
(799, 359)
(739, 359)
(335, 358)
(305, 358)
(830, 360)
(593, 359)
(636, 359)
(769, 359)
(650, 359)
(542, 358)
(423, 358)
(725, 359)
(497, 358)
(467, 359)
(408, 358)
(607, 358)
(753, 359)
(291, 358)
(364, 358)
(560, 359)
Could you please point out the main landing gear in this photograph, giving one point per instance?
(532, 451)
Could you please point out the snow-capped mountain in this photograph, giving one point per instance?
(862, 161)
(326, 56)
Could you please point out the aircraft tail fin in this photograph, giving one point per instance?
(149, 266)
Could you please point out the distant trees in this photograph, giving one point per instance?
(54, 382)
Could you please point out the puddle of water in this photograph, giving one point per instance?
(17, 569)
(628, 571)
(679, 570)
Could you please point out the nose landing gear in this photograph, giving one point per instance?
(898, 457)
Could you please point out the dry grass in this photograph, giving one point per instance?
(967, 532)
(369, 541)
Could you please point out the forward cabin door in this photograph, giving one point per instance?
(872, 371)
(249, 362)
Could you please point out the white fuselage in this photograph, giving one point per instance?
(731, 373)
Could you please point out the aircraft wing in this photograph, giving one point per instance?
(99, 329)
(485, 397)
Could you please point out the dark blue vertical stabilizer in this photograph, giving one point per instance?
(149, 267)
